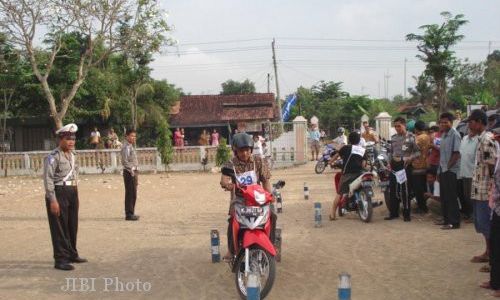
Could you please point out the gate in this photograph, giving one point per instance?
(286, 143)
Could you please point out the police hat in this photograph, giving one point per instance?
(68, 130)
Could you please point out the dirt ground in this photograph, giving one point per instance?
(168, 250)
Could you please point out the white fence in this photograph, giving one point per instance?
(108, 161)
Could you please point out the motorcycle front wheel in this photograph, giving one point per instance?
(365, 206)
(263, 264)
(320, 167)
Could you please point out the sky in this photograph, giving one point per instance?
(358, 42)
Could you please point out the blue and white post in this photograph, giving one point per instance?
(344, 286)
(253, 287)
(317, 214)
(215, 243)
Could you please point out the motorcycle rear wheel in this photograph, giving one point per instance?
(365, 207)
(267, 265)
(320, 167)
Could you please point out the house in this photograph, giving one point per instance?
(223, 112)
(412, 111)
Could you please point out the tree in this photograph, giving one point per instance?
(164, 143)
(468, 85)
(232, 87)
(492, 74)
(423, 92)
(13, 75)
(435, 44)
(100, 25)
(223, 153)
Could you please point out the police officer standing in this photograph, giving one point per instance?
(61, 198)
(130, 174)
(403, 151)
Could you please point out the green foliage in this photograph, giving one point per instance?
(335, 107)
(164, 143)
(435, 45)
(223, 153)
(232, 87)
(492, 75)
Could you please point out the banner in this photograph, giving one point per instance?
(287, 107)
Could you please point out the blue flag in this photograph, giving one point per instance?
(289, 103)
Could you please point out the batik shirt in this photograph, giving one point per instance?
(486, 155)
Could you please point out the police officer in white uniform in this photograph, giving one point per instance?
(61, 197)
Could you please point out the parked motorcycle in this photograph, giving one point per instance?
(328, 153)
(254, 253)
(360, 196)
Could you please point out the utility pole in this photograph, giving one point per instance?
(489, 47)
(276, 79)
(404, 91)
(379, 89)
(386, 77)
(268, 83)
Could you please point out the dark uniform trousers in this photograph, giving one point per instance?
(130, 191)
(399, 192)
(495, 252)
(419, 184)
(449, 198)
(63, 229)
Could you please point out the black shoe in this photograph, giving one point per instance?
(450, 226)
(132, 218)
(390, 218)
(407, 219)
(440, 223)
(64, 266)
(78, 260)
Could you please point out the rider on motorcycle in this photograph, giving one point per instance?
(341, 139)
(354, 161)
(249, 170)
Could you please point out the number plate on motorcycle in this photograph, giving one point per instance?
(251, 211)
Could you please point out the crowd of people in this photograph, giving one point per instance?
(436, 162)
(204, 139)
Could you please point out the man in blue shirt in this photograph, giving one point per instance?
(449, 166)
(315, 136)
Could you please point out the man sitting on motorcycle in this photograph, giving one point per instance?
(354, 161)
(341, 139)
(249, 170)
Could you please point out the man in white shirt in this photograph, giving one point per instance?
(257, 146)
(467, 164)
(95, 138)
(432, 186)
(341, 139)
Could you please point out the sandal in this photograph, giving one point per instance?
(332, 218)
(485, 269)
(227, 258)
(485, 285)
(480, 259)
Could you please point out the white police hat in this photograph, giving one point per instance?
(69, 129)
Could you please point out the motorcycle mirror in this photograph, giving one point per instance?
(228, 172)
(281, 183)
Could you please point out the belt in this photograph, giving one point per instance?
(67, 183)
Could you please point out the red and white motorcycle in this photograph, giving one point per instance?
(254, 253)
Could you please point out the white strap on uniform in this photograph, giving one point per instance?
(72, 168)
